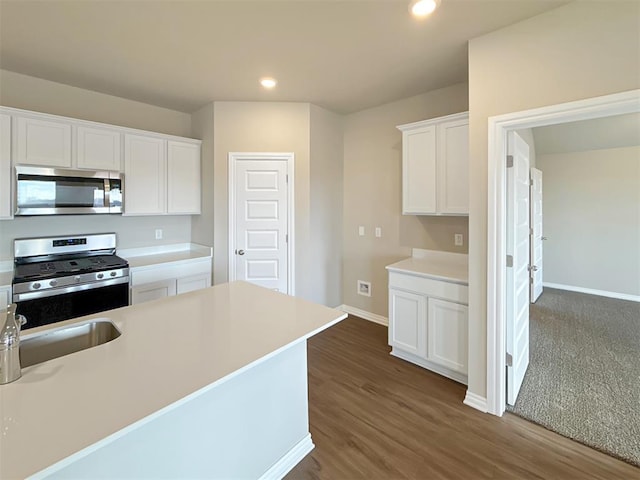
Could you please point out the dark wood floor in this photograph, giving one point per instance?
(373, 416)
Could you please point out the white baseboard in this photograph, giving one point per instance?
(434, 367)
(289, 460)
(372, 317)
(476, 401)
(591, 291)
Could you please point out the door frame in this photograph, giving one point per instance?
(498, 128)
(289, 157)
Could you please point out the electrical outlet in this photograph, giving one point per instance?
(361, 231)
(158, 234)
(364, 288)
(458, 240)
(378, 232)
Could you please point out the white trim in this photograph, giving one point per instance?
(289, 157)
(475, 401)
(498, 127)
(289, 460)
(372, 317)
(429, 365)
(591, 291)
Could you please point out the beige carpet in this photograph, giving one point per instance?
(583, 379)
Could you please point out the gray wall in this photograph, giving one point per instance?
(581, 50)
(202, 127)
(591, 205)
(373, 195)
(326, 205)
(21, 91)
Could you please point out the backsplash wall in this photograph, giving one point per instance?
(131, 232)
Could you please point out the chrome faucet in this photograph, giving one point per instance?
(10, 369)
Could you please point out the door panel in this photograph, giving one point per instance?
(448, 334)
(408, 322)
(518, 273)
(536, 234)
(261, 222)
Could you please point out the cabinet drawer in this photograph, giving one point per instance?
(433, 288)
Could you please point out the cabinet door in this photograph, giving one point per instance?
(408, 322)
(153, 291)
(419, 171)
(194, 282)
(145, 167)
(5, 167)
(43, 142)
(447, 334)
(453, 167)
(183, 178)
(97, 148)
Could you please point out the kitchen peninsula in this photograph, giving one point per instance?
(208, 384)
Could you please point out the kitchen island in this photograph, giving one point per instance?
(208, 384)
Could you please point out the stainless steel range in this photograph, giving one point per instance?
(58, 278)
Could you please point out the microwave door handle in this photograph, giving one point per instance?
(107, 193)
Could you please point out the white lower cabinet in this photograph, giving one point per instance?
(158, 281)
(428, 324)
(5, 297)
(153, 291)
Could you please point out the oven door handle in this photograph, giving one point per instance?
(21, 297)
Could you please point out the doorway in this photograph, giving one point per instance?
(261, 219)
(497, 272)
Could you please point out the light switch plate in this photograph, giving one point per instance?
(378, 232)
(361, 231)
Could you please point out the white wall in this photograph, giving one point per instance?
(581, 50)
(373, 195)
(591, 205)
(30, 93)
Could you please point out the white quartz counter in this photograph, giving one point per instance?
(169, 349)
(153, 256)
(446, 266)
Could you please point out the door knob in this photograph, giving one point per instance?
(240, 252)
(543, 238)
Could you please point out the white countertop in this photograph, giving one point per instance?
(152, 256)
(168, 349)
(446, 266)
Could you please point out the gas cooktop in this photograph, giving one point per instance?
(68, 266)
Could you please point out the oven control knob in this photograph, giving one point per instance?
(53, 283)
(113, 274)
(100, 275)
(36, 286)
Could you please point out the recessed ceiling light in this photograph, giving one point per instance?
(422, 8)
(268, 82)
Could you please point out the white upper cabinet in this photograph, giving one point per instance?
(145, 167)
(43, 142)
(183, 178)
(419, 171)
(97, 148)
(5, 168)
(435, 166)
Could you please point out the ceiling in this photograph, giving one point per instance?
(342, 55)
(616, 131)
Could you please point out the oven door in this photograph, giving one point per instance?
(48, 191)
(44, 310)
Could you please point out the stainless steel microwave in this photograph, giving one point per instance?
(52, 191)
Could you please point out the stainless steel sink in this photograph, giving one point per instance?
(57, 343)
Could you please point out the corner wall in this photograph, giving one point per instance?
(373, 195)
(581, 50)
(326, 205)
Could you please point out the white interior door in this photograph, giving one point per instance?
(259, 240)
(536, 234)
(517, 307)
